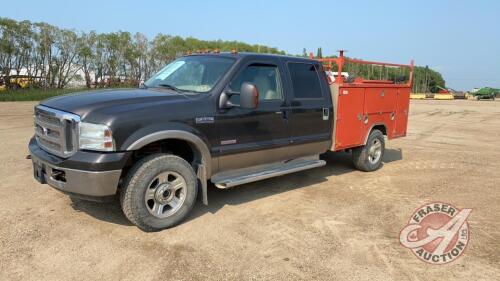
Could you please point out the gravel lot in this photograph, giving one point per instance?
(330, 223)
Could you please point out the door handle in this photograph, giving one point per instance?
(285, 114)
(326, 114)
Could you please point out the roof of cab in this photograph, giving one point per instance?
(239, 55)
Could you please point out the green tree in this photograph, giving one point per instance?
(319, 53)
(86, 48)
(57, 55)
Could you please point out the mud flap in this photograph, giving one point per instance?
(202, 178)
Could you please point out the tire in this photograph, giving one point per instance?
(369, 157)
(159, 192)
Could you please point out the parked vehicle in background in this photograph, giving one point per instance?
(227, 118)
(448, 93)
(485, 93)
(16, 82)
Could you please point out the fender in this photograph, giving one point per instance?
(371, 128)
(204, 170)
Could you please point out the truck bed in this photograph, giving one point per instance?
(362, 105)
(359, 107)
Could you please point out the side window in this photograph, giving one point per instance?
(265, 77)
(305, 81)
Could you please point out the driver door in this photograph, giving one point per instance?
(250, 137)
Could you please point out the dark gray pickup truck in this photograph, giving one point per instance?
(225, 118)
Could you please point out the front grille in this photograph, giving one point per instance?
(56, 131)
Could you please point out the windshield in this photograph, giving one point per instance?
(191, 74)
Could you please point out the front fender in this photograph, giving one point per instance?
(150, 134)
(154, 133)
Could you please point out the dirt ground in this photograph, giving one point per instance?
(330, 223)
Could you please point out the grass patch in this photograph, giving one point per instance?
(33, 94)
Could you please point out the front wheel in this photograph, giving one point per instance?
(159, 192)
(369, 157)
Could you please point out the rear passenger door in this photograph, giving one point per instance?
(310, 109)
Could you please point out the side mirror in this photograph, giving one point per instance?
(249, 96)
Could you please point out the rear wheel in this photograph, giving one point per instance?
(159, 192)
(369, 157)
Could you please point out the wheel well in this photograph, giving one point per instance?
(193, 151)
(181, 148)
(380, 128)
(178, 147)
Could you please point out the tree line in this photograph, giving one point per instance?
(54, 57)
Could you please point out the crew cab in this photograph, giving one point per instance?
(224, 118)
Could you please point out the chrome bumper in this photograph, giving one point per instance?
(89, 183)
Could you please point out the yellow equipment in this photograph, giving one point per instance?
(19, 82)
(444, 96)
(417, 96)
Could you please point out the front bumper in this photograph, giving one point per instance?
(98, 177)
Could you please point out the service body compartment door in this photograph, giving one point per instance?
(380, 101)
(349, 123)
(380, 107)
(403, 106)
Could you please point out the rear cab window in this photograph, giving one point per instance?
(305, 81)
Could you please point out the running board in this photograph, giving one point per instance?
(234, 178)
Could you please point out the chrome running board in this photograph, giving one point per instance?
(247, 175)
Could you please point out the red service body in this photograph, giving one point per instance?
(362, 105)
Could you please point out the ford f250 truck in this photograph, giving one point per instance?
(225, 118)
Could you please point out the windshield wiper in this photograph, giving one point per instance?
(171, 87)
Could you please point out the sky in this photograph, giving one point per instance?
(460, 39)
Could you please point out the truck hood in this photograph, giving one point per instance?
(88, 102)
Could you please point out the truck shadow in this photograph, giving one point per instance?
(392, 155)
(337, 164)
(109, 212)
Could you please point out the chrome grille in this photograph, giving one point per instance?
(56, 131)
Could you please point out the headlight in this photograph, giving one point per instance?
(95, 137)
